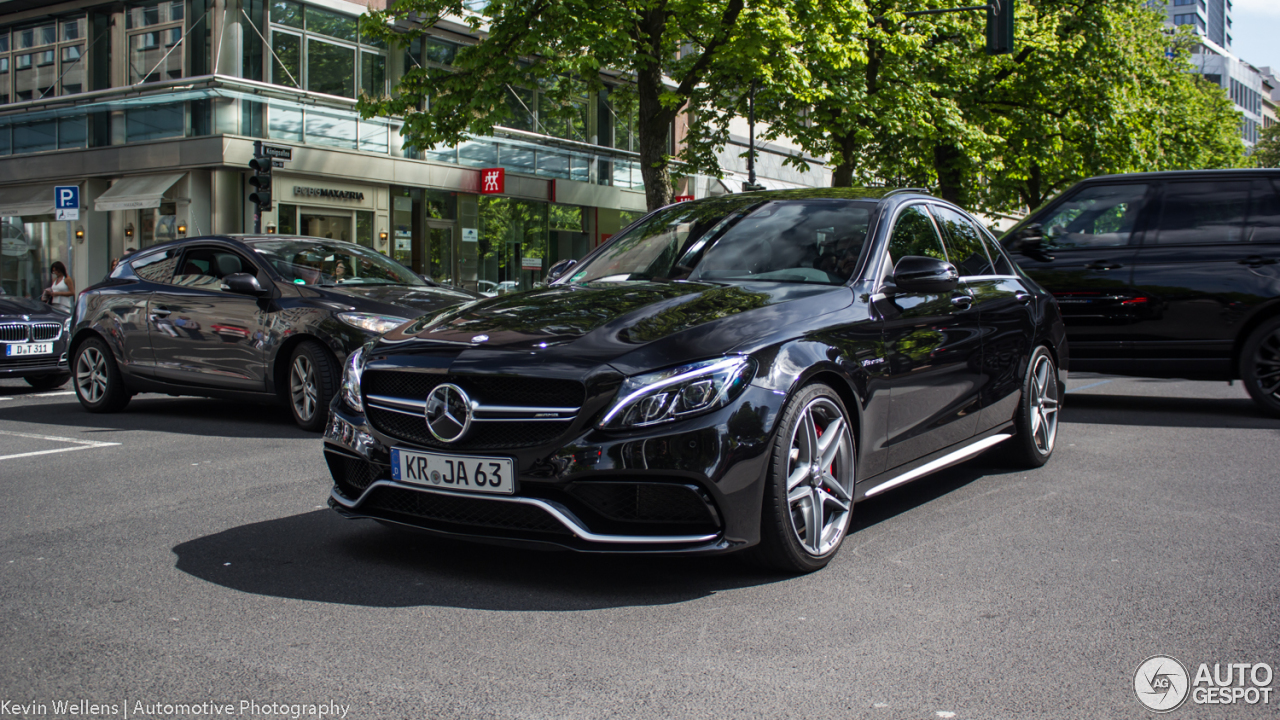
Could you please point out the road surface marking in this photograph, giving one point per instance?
(80, 444)
(1086, 387)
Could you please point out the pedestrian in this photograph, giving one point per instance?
(63, 288)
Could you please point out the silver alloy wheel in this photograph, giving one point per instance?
(302, 385)
(1266, 365)
(820, 475)
(91, 375)
(1044, 405)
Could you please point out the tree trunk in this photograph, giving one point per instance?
(653, 124)
(949, 164)
(842, 173)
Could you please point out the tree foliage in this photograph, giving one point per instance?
(1266, 153)
(661, 51)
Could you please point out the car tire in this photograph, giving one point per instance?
(1260, 366)
(48, 382)
(312, 382)
(97, 380)
(1036, 421)
(807, 473)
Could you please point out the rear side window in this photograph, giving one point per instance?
(1097, 216)
(1263, 224)
(1208, 212)
(157, 267)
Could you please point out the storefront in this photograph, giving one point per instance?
(324, 208)
(30, 239)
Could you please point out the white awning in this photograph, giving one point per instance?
(136, 193)
(26, 200)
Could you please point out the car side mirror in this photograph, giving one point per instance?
(243, 284)
(559, 269)
(915, 274)
(1030, 242)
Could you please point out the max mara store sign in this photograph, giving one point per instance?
(326, 193)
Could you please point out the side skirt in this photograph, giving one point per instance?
(946, 458)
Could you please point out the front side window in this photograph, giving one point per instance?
(206, 267)
(915, 235)
(1098, 216)
(740, 239)
(964, 243)
(308, 262)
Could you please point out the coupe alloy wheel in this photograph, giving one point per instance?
(91, 375)
(1044, 404)
(1266, 365)
(302, 386)
(820, 474)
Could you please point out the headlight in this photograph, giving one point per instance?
(373, 323)
(351, 380)
(671, 394)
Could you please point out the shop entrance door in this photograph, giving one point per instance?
(443, 253)
(333, 227)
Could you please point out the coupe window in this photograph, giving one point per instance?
(308, 262)
(739, 239)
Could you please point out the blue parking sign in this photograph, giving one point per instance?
(66, 202)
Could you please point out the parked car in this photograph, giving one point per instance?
(33, 338)
(1170, 275)
(728, 373)
(255, 318)
(489, 288)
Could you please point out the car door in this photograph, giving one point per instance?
(204, 336)
(1004, 312)
(126, 311)
(932, 349)
(1086, 260)
(1213, 256)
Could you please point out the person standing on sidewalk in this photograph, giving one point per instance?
(62, 289)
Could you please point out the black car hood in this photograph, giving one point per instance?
(13, 305)
(408, 301)
(563, 330)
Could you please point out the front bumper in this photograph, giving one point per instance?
(21, 367)
(692, 487)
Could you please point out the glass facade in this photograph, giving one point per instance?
(28, 246)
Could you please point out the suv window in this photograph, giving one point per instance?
(964, 243)
(157, 267)
(1204, 212)
(1097, 216)
(205, 267)
(1264, 212)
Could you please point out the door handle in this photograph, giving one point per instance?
(1022, 297)
(1103, 265)
(1256, 261)
(962, 301)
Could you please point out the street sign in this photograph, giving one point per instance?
(470, 235)
(277, 152)
(277, 163)
(66, 202)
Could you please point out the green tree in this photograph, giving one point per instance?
(664, 50)
(1266, 153)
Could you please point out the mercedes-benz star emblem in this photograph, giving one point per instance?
(448, 412)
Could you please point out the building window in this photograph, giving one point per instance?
(45, 64)
(321, 51)
(155, 34)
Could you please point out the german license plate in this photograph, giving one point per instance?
(454, 472)
(29, 349)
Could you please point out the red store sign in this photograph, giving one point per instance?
(493, 181)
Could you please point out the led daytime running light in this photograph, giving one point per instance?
(733, 365)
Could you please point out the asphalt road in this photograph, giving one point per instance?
(179, 553)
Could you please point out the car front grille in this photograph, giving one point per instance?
(14, 332)
(43, 332)
(454, 510)
(38, 361)
(34, 331)
(490, 390)
(645, 502)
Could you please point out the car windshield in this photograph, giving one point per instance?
(739, 239)
(316, 262)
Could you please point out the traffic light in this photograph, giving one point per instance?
(1000, 27)
(261, 179)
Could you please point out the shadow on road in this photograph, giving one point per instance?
(321, 557)
(1105, 409)
(160, 413)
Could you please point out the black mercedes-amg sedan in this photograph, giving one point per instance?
(33, 342)
(729, 373)
(244, 318)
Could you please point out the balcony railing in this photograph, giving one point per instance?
(223, 105)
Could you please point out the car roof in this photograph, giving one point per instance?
(1185, 174)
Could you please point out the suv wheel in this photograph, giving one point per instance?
(97, 378)
(313, 379)
(808, 501)
(1260, 366)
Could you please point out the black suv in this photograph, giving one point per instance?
(1173, 274)
(243, 318)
